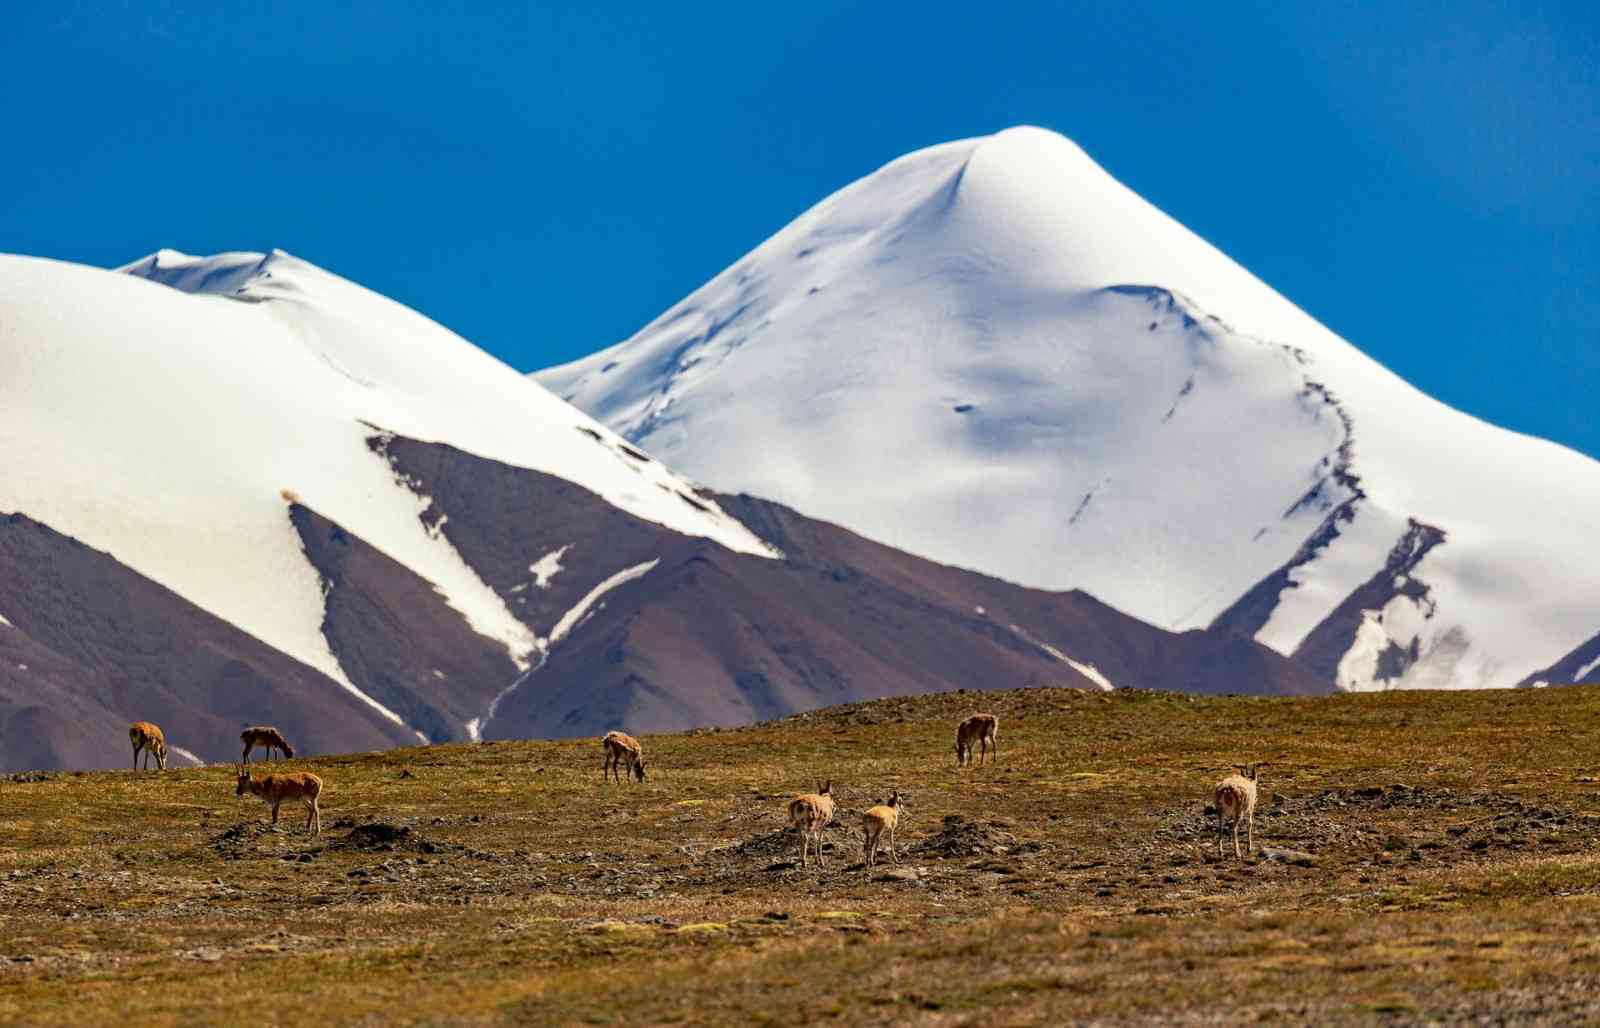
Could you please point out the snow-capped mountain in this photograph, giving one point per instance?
(171, 415)
(171, 427)
(239, 489)
(993, 354)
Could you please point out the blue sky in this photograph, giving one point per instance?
(546, 178)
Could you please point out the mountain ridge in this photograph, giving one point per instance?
(285, 499)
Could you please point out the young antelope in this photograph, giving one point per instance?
(878, 820)
(1236, 801)
(810, 813)
(262, 737)
(274, 789)
(978, 730)
(147, 737)
(623, 752)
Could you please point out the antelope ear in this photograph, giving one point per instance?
(1241, 769)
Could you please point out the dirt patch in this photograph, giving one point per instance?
(386, 837)
(958, 837)
(242, 840)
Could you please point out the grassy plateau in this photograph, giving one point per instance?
(1427, 857)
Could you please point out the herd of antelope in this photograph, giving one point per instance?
(809, 813)
(273, 789)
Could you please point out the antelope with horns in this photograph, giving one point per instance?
(262, 737)
(274, 789)
(147, 737)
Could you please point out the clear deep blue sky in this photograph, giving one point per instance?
(546, 178)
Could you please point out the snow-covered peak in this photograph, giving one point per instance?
(409, 375)
(992, 353)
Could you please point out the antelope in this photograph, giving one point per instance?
(274, 789)
(1236, 801)
(878, 820)
(978, 730)
(623, 752)
(147, 737)
(262, 737)
(811, 813)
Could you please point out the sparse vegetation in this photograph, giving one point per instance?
(1423, 856)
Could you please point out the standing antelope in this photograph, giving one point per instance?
(978, 730)
(274, 789)
(811, 813)
(1236, 801)
(147, 737)
(878, 820)
(622, 752)
(262, 737)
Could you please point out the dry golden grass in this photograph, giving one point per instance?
(1078, 885)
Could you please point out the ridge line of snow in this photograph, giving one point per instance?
(1088, 671)
(186, 755)
(571, 618)
(564, 626)
(431, 556)
(351, 330)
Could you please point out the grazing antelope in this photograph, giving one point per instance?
(978, 730)
(878, 820)
(1236, 801)
(262, 737)
(274, 789)
(622, 752)
(811, 813)
(147, 737)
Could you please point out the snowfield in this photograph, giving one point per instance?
(993, 354)
(169, 415)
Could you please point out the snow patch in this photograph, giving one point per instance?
(547, 567)
(1088, 671)
(1093, 674)
(6, 623)
(1583, 671)
(472, 728)
(574, 617)
(1358, 668)
(563, 628)
(186, 755)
